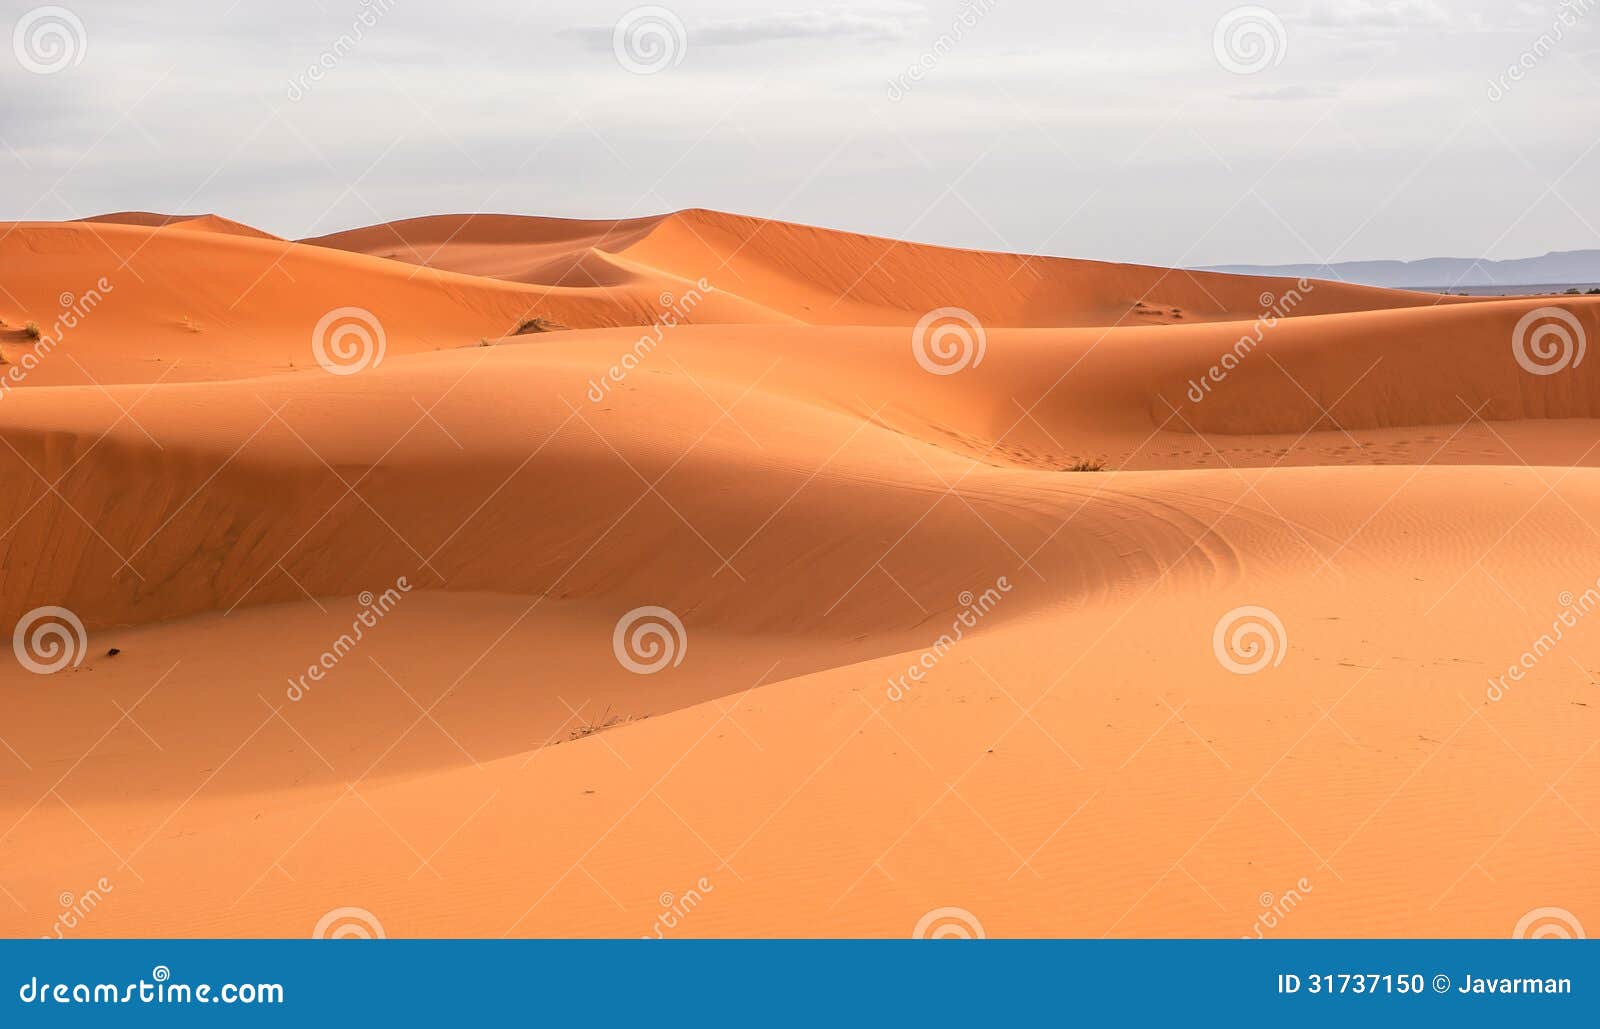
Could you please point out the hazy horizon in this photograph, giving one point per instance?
(335, 230)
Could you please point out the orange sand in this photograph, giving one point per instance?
(781, 473)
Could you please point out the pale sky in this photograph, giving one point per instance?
(1112, 130)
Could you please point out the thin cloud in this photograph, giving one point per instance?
(1385, 14)
(1290, 93)
(818, 24)
(833, 23)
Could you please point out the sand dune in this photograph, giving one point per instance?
(825, 277)
(185, 222)
(549, 251)
(780, 469)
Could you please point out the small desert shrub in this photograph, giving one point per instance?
(538, 325)
(32, 330)
(1086, 465)
(605, 721)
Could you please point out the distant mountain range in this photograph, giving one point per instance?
(1558, 268)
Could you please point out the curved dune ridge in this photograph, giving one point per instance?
(521, 576)
(826, 277)
(185, 222)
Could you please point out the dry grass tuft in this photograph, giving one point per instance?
(538, 324)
